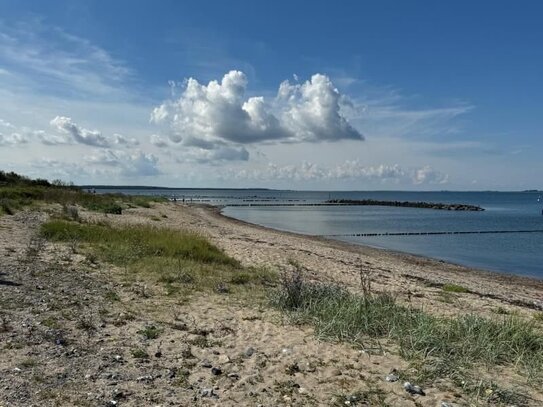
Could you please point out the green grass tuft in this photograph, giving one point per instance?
(454, 288)
(445, 345)
(150, 332)
(139, 353)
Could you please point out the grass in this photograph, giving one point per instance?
(139, 353)
(454, 288)
(150, 332)
(441, 346)
(182, 261)
(133, 243)
(17, 192)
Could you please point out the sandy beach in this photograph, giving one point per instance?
(46, 358)
(405, 275)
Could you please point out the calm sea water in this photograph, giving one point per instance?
(517, 253)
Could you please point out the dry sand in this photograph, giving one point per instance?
(65, 339)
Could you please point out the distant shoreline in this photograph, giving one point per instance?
(153, 188)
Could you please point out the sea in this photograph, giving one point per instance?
(519, 214)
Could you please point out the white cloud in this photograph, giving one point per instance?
(217, 155)
(220, 116)
(347, 170)
(129, 164)
(65, 125)
(119, 139)
(7, 124)
(50, 55)
(12, 139)
(51, 139)
(158, 141)
(427, 175)
(313, 111)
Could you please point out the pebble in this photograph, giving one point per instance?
(249, 352)
(445, 404)
(392, 376)
(233, 376)
(208, 392)
(413, 389)
(146, 378)
(119, 395)
(206, 363)
(216, 371)
(224, 359)
(172, 373)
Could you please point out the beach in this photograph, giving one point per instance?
(67, 340)
(335, 261)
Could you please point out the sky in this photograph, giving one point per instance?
(319, 95)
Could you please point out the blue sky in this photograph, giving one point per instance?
(310, 95)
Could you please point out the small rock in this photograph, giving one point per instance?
(224, 359)
(206, 363)
(118, 358)
(16, 369)
(146, 378)
(119, 395)
(208, 392)
(445, 404)
(112, 403)
(249, 352)
(413, 389)
(172, 373)
(216, 371)
(158, 354)
(233, 376)
(392, 376)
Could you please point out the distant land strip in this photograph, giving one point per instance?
(467, 232)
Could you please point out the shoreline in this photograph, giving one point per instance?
(442, 272)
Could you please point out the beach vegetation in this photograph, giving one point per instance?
(440, 346)
(182, 261)
(17, 192)
(454, 288)
(150, 332)
(139, 353)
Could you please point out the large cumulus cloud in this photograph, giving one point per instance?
(219, 115)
